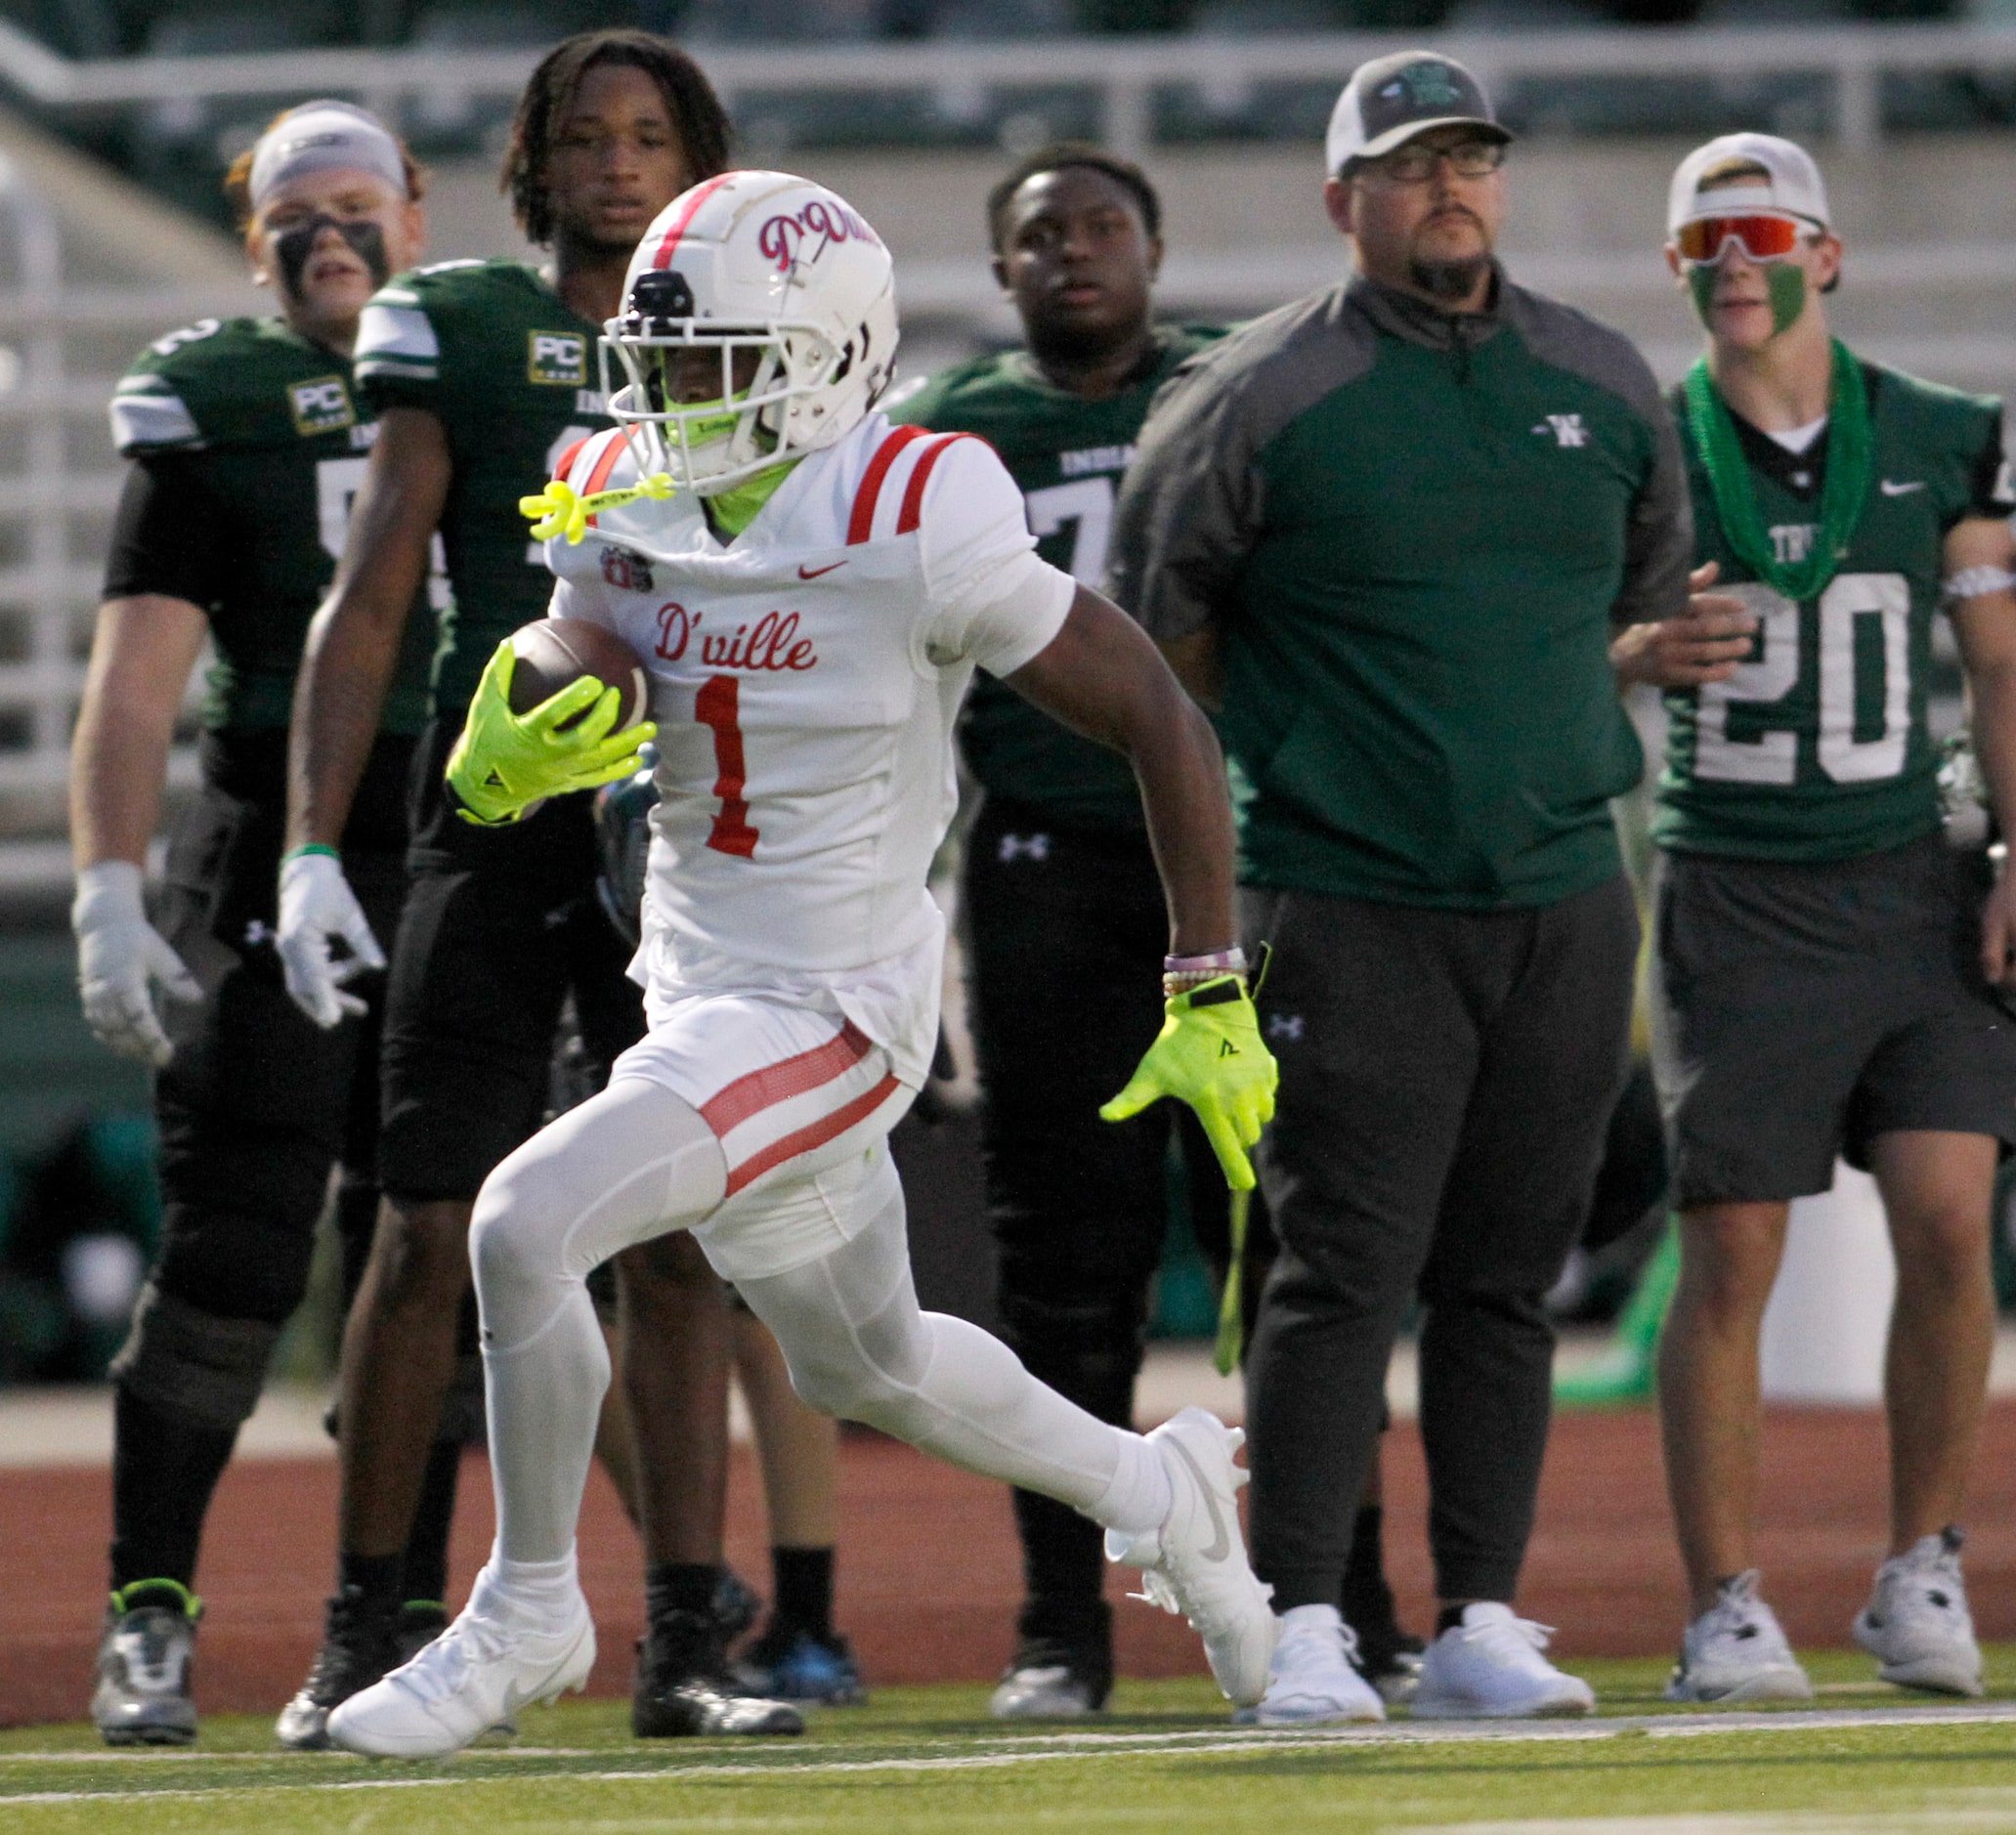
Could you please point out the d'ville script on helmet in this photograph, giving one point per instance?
(781, 238)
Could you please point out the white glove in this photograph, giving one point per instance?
(317, 905)
(118, 954)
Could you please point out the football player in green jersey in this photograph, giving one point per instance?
(248, 439)
(1826, 967)
(482, 373)
(1059, 893)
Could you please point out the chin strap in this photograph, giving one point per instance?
(561, 510)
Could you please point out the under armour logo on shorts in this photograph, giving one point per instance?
(1285, 1026)
(1017, 848)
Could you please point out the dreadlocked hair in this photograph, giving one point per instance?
(703, 128)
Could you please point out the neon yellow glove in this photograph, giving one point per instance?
(507, 762)
(1209, 1055)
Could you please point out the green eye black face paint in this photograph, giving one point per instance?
(1700, 283)
(1784, 284)
(1787, 284)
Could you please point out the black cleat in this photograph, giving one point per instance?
(685, 1691)
(736, 1605)
(1390, 1659)
(360, 1643)
(1054, 1679)
(145, 1657)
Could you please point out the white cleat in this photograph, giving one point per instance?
(1916, 1623)
(1491, 1668)
(1196, 1563)
(1313, 1680)
(474, 1677)
(1736, 1651)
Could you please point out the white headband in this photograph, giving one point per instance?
(324, 137)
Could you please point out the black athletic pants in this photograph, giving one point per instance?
(258, 1100)
(1066, 930)
(1446, 1082)
(254, 1108)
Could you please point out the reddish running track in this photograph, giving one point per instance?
(929, 1572)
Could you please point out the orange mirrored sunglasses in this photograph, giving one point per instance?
(1763, 238)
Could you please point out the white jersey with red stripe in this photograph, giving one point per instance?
(804, 679)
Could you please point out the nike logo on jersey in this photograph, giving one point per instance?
(813, 573)
(1891, 488)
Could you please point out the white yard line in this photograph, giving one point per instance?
(995, 1754)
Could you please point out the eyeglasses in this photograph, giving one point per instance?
(1761, 238)
(1416, 165)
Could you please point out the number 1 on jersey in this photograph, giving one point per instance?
(720, 708)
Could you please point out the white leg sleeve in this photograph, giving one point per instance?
(859, 1346)
(627, 1166)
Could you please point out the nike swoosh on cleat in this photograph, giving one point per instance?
(1891, 489)
(1221, 1542)
(813, 573)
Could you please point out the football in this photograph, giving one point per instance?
(555, 652)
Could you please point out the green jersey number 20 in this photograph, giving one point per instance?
(1773, 757)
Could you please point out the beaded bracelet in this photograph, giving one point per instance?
(1182, 973)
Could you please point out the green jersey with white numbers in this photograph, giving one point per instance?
(1818, 748)
(509, 369)
(257, 438)
(1067, 455)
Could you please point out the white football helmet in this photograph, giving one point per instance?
(769, 269)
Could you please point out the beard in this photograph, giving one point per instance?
(1451, 281)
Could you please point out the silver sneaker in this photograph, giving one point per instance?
(1916, 1624)
(143, 1695)
(1735, 1651)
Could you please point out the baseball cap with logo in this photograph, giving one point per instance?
(1391, 98)
(1790, 186)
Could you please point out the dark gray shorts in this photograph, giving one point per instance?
(1799, 1012)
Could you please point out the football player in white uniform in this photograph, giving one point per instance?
(810, 589)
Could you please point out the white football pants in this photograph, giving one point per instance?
(637, 1161)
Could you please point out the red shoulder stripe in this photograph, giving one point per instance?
(913, 511)
(567, 458)
(604, 465)
(699, 195)
(862, 521)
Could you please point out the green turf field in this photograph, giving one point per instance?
(929, 1760)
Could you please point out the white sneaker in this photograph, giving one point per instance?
(1916, 1623)
(1489, 1667)
(1313, 1680)
(474, 1677)
(1735, 1651)
(1196, 1563)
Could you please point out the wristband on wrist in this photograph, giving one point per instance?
(1182, 973)
(1974, 582)
(310, 847)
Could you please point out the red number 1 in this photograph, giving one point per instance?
(720, 708)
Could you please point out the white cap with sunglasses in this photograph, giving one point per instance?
(1790, 187)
